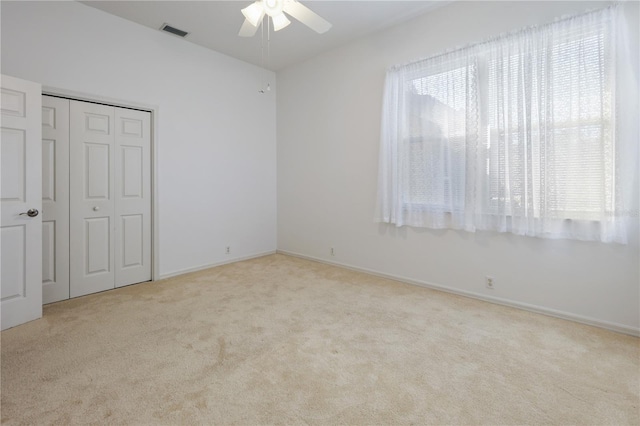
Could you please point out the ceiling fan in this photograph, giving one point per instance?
(276, 9)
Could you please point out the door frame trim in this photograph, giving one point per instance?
(155, 113)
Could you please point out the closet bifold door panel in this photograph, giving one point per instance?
(92, 207)
(55, 199)
(132, 196)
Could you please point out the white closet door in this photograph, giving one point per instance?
(132, 196)
(55, 199)
(21, 195)
(92, 204)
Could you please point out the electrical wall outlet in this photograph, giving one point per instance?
(227, 250)
(489, 282)
(332, 251)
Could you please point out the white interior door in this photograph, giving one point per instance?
(55, 199)
(132, 196)
(92, 226)
(21, 199)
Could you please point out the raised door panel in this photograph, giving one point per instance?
(14, 168)
(48, 169)
(133, 196)
(14, 256)
(97, 171)
(14, 102)
(92, 172)
(20, 191)
(55, 199)
(97, 243)
(48, 253)
(132, 234)
(132, 169)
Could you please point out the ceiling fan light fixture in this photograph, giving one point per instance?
(254, 13)
(279, 22)
(276, 9)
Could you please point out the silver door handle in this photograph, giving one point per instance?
(30, 213)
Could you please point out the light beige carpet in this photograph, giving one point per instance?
(280, 340)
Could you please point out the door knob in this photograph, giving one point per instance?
(96, 208)
(30, 213)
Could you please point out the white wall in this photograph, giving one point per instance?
(216, 174)
(329, 112)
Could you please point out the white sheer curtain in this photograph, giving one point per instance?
(533, 133)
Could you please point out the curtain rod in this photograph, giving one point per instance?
(506, 34)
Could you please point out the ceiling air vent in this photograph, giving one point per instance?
(168, 28)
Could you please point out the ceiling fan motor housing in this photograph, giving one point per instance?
(273, 7)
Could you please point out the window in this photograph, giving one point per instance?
(436, 130)
(518, 134)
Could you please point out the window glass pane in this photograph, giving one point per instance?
(436, 128)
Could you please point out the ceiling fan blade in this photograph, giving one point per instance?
(308, 17)
(248, 29)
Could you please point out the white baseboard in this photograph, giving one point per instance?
(213, 265)
(506, 302)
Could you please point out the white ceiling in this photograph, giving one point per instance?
(215, 24)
